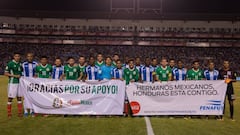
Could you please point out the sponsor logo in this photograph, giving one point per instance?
(212, 105)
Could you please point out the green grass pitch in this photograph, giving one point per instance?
(113, 125)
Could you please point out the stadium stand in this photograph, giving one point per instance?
(172, 39)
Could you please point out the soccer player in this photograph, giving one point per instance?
(91, 70)
(172, 63)
(164, 72)
(43, 70)
(125, 64)
(211, 73)
(195, 73)
(138, 63)
(115, 59)
(131, 74)
(29, 68)
(105, 70)
(57, 69)
(154, 63)
(71, 71)
(146, 72)
(117, 72)
(229, 76)
(99, 61)
(13, 71)
(179, 73)
(81, 66)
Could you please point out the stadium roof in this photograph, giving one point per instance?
(124, 9)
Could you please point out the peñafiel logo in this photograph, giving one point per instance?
(212, 105)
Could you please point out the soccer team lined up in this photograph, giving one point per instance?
(150, 70)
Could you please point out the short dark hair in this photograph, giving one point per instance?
(44, 57)
(58, 58)
(108, 57)
(15, 53)
(70, 58)
(195, 61)
(179, 61)
(130, 60)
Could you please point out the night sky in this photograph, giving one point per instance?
(169, 6)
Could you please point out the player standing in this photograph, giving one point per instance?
(13, 71)
(138, 63)
(117, 72)
(172, 64)
(195, 73)
(91, 70)
(131, 74)
(105, 70)
(115, 59)
(57, 69)
(227, 74)
(164, 72)
(29, 68)
(179, 73)
(43, 70)
(81, 68)
(99, 61)
(71, 71)
(147, 72)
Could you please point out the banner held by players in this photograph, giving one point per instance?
(73, 97)
(177, 98)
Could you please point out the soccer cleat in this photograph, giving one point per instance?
(33, 114)
(9, 116)
(25, 114)
(20, 115)
(233, 120)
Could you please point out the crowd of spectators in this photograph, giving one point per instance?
(187, 54)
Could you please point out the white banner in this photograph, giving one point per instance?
(73, 97)
(177, 98)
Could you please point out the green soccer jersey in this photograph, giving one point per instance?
(81, 69)
(13, 68)
(131, 74)
(99, 64)
(194, 74)
(163, 74)
(114, 64)
(71, 72)
(44, 71)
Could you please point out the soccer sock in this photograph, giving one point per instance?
(231, 111)
(26, 111)
(9, 108)
(126, 107)
(19, 105)
(31, 111)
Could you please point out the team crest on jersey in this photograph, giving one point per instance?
(48, 69)
(199, 74)
(167, 72)
(134, 72)
(74, 70)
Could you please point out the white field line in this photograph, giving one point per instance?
(149, 126)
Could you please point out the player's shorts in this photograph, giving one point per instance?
(14, 91)
(230, 94)
(230, 97)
